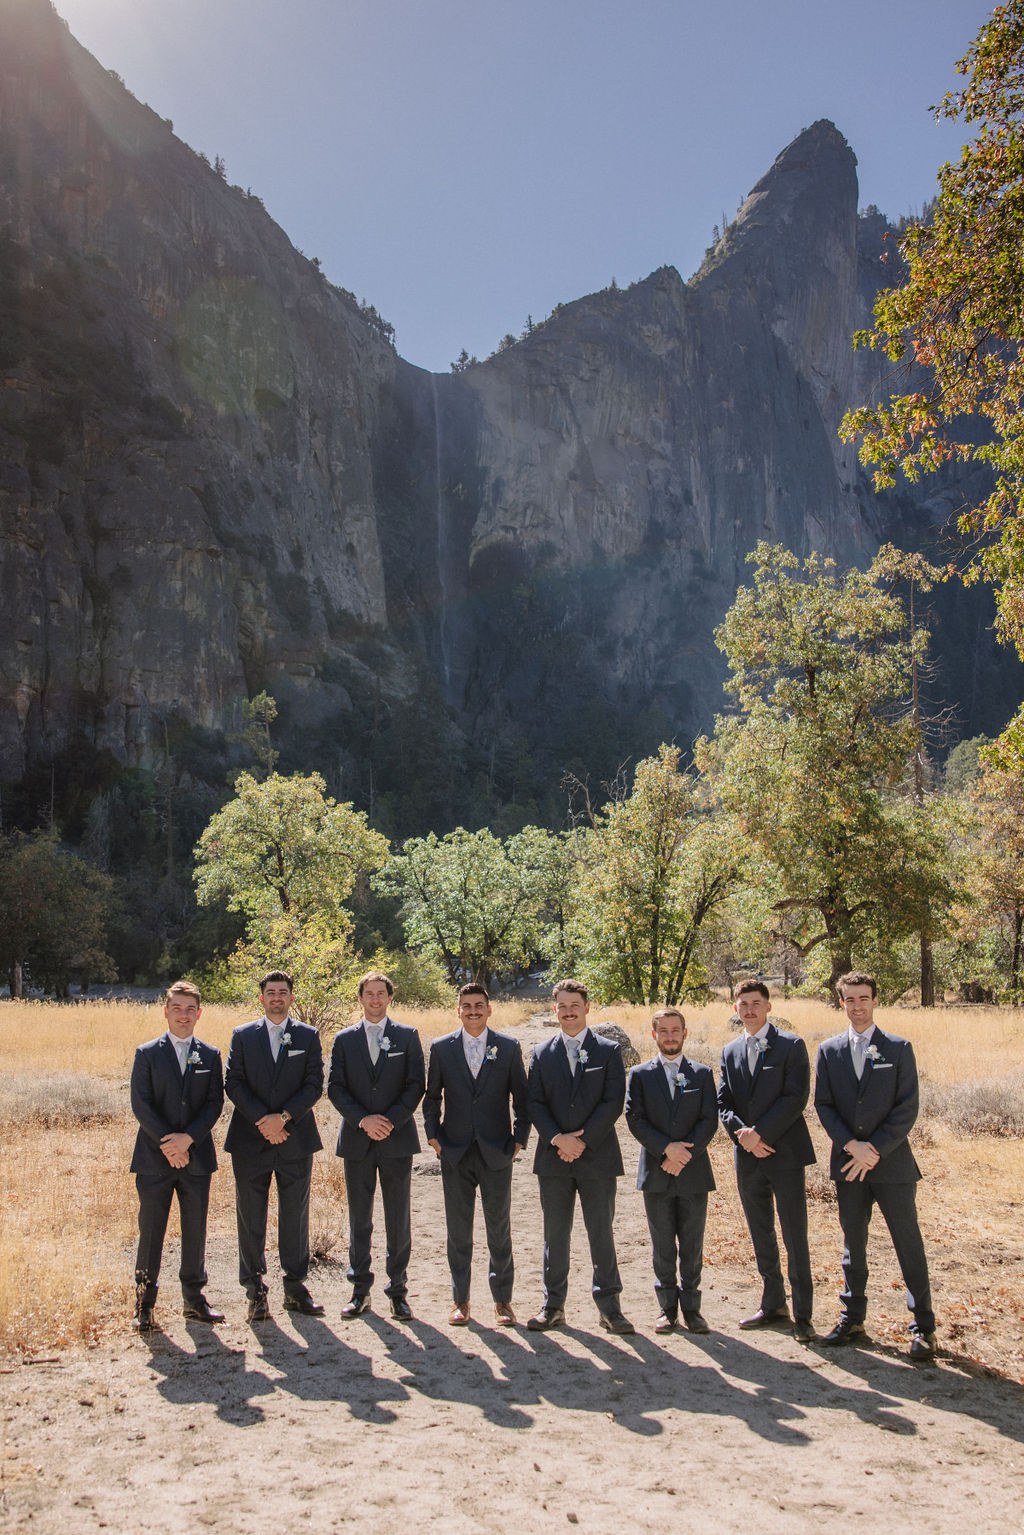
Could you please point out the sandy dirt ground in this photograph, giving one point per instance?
(325, 1425)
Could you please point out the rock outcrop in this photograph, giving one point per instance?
(216, 475)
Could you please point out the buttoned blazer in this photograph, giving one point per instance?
(881, 1108)
(165, 1102)
(393, 1088)
(258, 1085)
(590, 1100)
(772, 1101)
(490, 1109)
(656, 1115)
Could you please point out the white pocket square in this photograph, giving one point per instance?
(295, 1052)
(881, 1066)
(202, 1071)
(588, 1069)
(394, 1055)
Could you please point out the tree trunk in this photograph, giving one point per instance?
(927, 972)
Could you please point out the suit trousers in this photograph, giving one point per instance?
(558, 1203)
(361, 1176)
(676, 1223)
(898, 1204)
(252, 1198)
(460, 1181)
(156, 1191)
(761, 1193)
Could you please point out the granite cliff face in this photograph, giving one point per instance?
(216, 475)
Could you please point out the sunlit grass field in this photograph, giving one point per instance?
(68, 1203)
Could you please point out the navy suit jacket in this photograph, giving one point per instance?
(655, 1117)
(771, 1102)
(880, 1108)
(590, 1100)
(257, 1085)
(393, 1088)
(491, 1110)
(167, 1103)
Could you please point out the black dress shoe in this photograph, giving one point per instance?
(616, 1323)
(803, 1331)
(400, 1309)
(144, 1320)
(200, 1310)
(259, 1310)
(546, 1318)
(666, 1323)
(922, 1345)
(844, 1331)
(694, 1322)
(355, 1307)
(762, 1318)
(304, 1303)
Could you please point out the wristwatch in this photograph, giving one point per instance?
(285, 1116)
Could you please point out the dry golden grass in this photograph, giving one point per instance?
(67, 1237)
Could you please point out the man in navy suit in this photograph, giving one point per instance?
(473, 1077)
(866, 1096)
(275, 1075)
(376, 1080)
(577, 1087)
(762, 1092)
(671, 1110)
(177, 1093)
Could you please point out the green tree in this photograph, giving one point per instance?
(995, 877)
(813, 764)
(284, 848)
(54, 909)
(475, 902)
(652, 869)
(958, 314)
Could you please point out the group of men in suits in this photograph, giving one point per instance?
(479, 1106)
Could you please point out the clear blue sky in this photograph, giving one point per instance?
(464, 163)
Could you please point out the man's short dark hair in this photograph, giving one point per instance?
(189, 988)
(857, 978)
(377, 975)
(474, 989)
(277, 975)
(747, 986)
(577, 987)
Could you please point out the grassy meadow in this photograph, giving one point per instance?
(68, 1231)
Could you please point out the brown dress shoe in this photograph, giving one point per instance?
(665, 1323)
(504, 1316)
(615, 1322)
(459, 1314)
(546, 1318)
(762, 1318)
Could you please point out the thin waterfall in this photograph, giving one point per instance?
(442, 545)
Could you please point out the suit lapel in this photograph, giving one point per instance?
(382, 1058)
(461, 1064)
(666, 1092)
(282, 1048)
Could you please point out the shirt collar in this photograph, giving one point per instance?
(865, 1038)
(181, 1046)
(473, 1039)
(762, 1032)
(366, 1024)
(283, 1025)
(671, 1064)
(573, 1042)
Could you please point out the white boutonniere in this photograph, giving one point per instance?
(680, 1079)
(582, 1057)
(872, 1053)
(385, 1043)
(492, 1054)
(762, 1046)
(286, 1038)
(194, 1058)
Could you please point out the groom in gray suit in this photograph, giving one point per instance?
(866, 1096)
(473, 1077)
(671, 1110)
(177, 1092)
